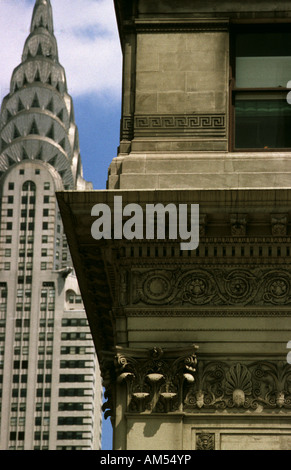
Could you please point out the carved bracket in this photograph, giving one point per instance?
(154, 378)
(279, 225)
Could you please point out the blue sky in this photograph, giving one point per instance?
(90, 52)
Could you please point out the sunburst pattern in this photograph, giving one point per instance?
(37, 117)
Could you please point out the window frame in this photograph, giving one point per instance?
(234, 91)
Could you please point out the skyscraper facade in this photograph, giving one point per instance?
(50, 382)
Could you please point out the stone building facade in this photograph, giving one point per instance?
(193, 344)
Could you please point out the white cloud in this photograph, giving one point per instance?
(87, 37)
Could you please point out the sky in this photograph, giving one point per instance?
(89, 50)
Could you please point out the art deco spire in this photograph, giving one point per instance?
(42, 16)
(37, 118)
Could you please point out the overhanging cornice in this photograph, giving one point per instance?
(97, 263)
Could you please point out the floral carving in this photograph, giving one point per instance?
(195, 290)
(155, 379)
(250, 386)
(205, 441)
(279, 225)
(277, 291)
(238, 383)
(162, 381)
(238, 225)
(216, 286)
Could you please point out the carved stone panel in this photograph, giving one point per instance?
(155, 379)
(240, 387)
(212, 286)
(205, 441)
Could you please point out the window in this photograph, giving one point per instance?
(29, 186)
(70, 420)
(10, 186)
(75, 406)
(261, 68)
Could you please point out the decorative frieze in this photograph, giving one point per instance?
(154, 378)
(126, 128)
(160, 125)
(179, 125)
(173, 380)
(213, 286)
(241, 386)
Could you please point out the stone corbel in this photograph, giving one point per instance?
(279, 225)
(238, 225)
(202, 225)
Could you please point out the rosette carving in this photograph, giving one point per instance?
(216, 286)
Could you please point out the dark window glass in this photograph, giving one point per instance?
(262, 77)
(262, 123)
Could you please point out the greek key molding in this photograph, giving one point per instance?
(127, 128)
(180, 125)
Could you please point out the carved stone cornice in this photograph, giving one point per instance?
(175, 25)
(243, 281)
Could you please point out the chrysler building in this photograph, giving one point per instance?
(50, 383)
